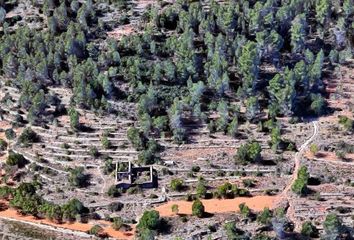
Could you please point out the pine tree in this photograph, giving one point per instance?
(316, 71)
(298, 32)
(249, 66)
(323, 8)
(252, 108)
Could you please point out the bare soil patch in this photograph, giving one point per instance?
(257, 203)
(76, 226)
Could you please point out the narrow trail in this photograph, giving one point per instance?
(285, 193)
(297, 159)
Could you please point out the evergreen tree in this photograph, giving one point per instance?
(298, 33)
(249, 66)
(323, 8)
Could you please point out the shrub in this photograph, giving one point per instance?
(265, 216)
(134, 190)
(27, 137)
(96, 230)
(249, 152)
(72, 209)
(136, 138)
(248, 182)
(16, 159)
(314, 149)
(174, 208)
(198, 208)
(106, 144)
(10, 134)
(3, 145)
(74, 119)
(332, 226)
(115, 206)
(150, 220)
(113, 191)
(77, 177)
(195, 169)
(94, 152)
(117, 223)
(244, 210)
(308, 229)
(177, 184)
(201, 189)
(300, 184)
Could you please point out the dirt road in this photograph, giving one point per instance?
(297, 158)
(285, 194)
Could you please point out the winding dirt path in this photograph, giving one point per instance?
(285, 193)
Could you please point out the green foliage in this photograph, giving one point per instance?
(16, 159)
(106, 144)
(94, 152)
(113, 191)
(198, 208)
(244, 210)
(323, 8)
(72, 209)
(174, 208)
(5, 192)
(117, 223)
(10, 134)
(232, 232)
(150, 220)
(308, 229)
(109, 167)
(177, 184)
(314, 148)
(248, 65)
(347, 123)
(298, 33)
(3, 145)
(300, 184)
(74, 118)
(228, 190)
(275, 138)
(318, 104)
(27, 137)
(96, 230)
(136, 138)
(77, 177)
(265, 216)
(248, 153)
(201, 189)
(332, 226)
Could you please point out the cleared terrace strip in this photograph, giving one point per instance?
(31, 159)
(100, 151)
(260, 169)
(46, 132)
(79, 145)
(85, 139)
(81, 156)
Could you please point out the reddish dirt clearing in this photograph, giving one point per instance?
(257, 203)
(81, 227)
(330, 156)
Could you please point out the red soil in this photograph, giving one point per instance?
(257, 203)
(330, 156)
(76, 226)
